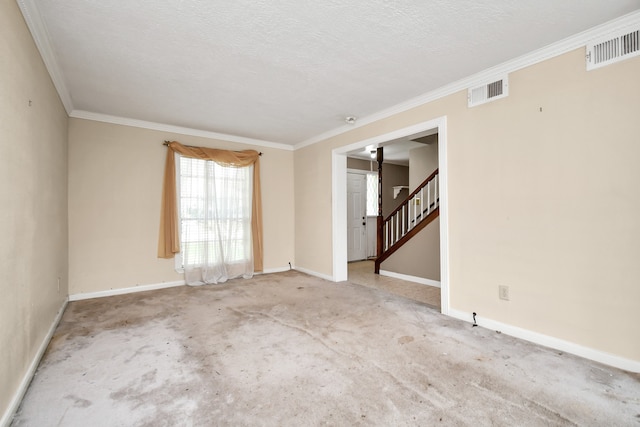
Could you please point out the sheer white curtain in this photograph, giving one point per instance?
(215, 221)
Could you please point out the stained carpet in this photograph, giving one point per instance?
(288, 349)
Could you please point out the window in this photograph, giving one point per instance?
(372, 194)
(214, 204)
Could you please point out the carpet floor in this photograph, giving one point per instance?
(288, 349)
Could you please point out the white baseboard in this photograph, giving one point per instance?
(276, 270)
(6, 419)
(408, 278)
(314, 273)
(111, 292)
(552, 342)
(151, 287)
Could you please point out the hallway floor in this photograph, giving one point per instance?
(362, 273)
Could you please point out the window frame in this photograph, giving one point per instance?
(179, 258)
(374, 197)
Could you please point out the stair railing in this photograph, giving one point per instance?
(421, 204)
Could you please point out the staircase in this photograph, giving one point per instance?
(414, 213)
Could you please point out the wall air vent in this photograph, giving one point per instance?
(614, 48)
(488, 92)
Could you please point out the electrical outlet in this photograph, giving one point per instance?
(58, 285)
(503, 292)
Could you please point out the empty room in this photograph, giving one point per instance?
(320, 213)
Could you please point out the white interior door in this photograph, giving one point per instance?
(356, 216)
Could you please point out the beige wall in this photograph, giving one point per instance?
(393, 175)
(420, 256)
(312, 178)
(33, 202)
(544, 202)
(422, 162)
(360, 164)
(115, 183)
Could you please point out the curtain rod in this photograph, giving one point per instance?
(166, 144)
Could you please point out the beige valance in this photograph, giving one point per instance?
(169, 241)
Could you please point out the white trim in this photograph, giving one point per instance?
(41, 38)
(552, 342)
(443, 207)
(154, 286)
(121, 291)
(551, 51)
(87, 115)
(339, 226)
(314, 273)
(414, 279)
(391, 136)
(7, 417)
(339, 210)
(275, 270)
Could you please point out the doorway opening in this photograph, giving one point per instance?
(339, 207)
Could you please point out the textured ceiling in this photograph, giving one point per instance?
(286, 71)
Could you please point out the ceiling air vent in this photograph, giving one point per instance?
(488, 92)
(615, 48)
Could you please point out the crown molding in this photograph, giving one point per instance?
(88, 115)
(555, 49)
(41, 38)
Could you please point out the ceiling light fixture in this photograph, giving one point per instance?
(374, 153)
(350, 120)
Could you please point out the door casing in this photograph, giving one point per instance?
(339, 191)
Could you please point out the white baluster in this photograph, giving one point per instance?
(386, 235)
(395, 237)
(413, 204)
